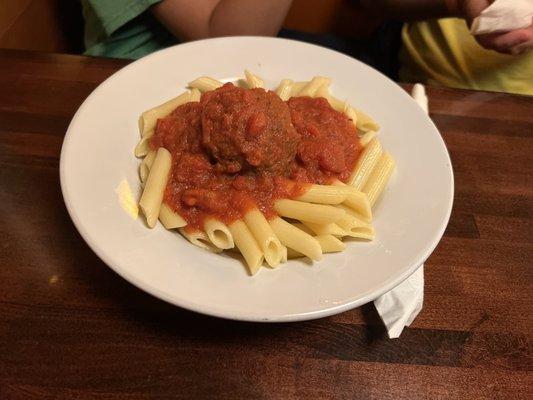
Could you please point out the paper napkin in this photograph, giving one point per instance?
(503, 15)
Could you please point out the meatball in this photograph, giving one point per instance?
(248, 129)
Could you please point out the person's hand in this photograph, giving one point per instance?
(512, 42)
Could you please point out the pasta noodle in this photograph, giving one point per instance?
(365, 164)
(205, 84)
(247, 245)
(327, 194)
(200, 239)
(253, 81)
(284, 256)
(365, 122)
(296, 239)
(142, 148)
(218, 233)
(170, 219)
(323, 91)
(336, 104)
(350, 113)
(357, 202)
(317, 213)
(296, 87)
(195, 95)
(146, 164)
(302, 227)
(313, 85)
(154, 189)
(148, 119)
(379, 178)
(330, 244)
(291, 253)
(367, 137)
(355, 227)
(264, 236)
(284, 89)
(325, 229)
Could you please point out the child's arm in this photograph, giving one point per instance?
(197, 19)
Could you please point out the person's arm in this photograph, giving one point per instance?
(198, 19)
(506, 42)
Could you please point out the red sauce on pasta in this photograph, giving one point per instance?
(239, 147)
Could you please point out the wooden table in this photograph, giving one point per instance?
(71, 328)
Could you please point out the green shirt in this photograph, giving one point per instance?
(123, 29)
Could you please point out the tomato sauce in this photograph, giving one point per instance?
(238, 148)
(329, 146)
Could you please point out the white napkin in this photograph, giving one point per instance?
(503, 15)
(399, 307)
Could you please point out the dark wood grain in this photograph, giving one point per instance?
(71, 328)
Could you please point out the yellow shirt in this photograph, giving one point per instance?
(443, 52)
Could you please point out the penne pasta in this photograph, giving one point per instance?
(284, 254)
(304, 228)
(330, 244)
(143, 147)
(146, 164)
(170, 219)
(149, 159)
(379, 178)
(246, 243)
(365, 123)
(327, 194)
(323, 91)
(336, 104)
(196, 95)
(350, 113)
(218, 233)
(365, 164)
(351, 212)
(264, 236)
(355, 227)
(296, 87)
(367, 137)
(200, 239)
(284, 89)
(148, 119)
(325, 229)
(205, 84)
(291, 253)
(253, 81)
(358, 202)
(364, 232)
(296, 239)
(317, 213)
(154, 189)
(313, 85)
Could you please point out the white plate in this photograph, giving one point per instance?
(98, 153)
